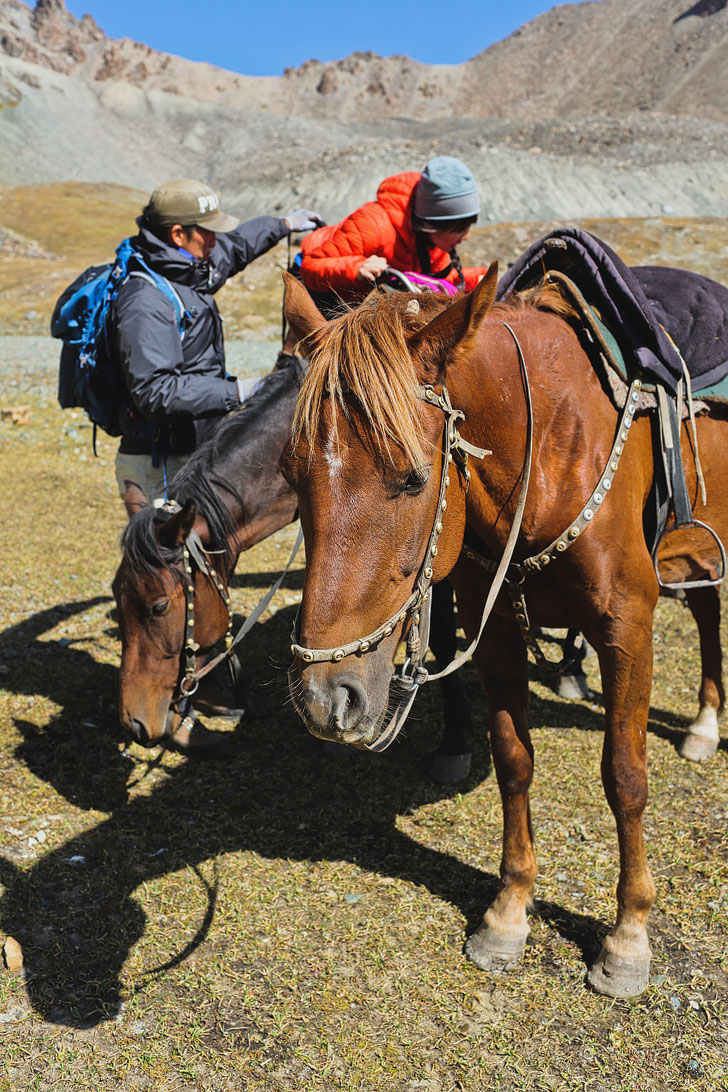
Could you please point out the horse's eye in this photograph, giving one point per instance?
(160, 607)
(416, 481)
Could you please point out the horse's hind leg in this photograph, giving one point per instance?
(623, 966)
(701, 741)
(452, 760)
(501, 658)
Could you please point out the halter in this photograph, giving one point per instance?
(193, 550)
(405, 686)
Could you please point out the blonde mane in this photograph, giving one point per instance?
(364, 352)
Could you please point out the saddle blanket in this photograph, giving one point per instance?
(638, 304)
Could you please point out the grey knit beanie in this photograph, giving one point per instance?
(446, 191)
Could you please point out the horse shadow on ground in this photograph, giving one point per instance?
(74, 910)
(78, 750)
(293, 580)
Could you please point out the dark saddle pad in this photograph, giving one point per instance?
(639, 304)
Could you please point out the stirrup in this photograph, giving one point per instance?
(689, 583)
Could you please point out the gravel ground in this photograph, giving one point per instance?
(26, 363)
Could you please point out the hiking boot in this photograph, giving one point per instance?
(191, 738)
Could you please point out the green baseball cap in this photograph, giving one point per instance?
(186, 201)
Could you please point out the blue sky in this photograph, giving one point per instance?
(262, 37)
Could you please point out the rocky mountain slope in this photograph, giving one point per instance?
(598, 108)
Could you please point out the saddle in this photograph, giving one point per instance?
(665, 319)
(668, 326)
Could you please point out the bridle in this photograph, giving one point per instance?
(406, 682)
(454, 447)
(194, 551)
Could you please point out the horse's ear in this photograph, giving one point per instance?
(458, 322)
(176, 529)
(301, 312)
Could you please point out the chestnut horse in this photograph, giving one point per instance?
(231, 495)
(368, 462)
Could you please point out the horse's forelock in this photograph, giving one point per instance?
(142, 549)
(365, 353)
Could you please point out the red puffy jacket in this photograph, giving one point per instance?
(331, 256)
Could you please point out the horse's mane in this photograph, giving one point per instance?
(364, 352)
(542, 297)
(140, 540)
(199, 481)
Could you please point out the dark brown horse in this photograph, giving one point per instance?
(366, 462)
(231, 496)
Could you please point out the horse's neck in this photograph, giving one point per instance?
(569, 419)
(247, 455)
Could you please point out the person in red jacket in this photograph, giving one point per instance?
(415, 224)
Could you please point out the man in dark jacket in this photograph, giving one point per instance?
(177, 380)
(175, 377)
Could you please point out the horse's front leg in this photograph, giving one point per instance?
(701, 741)
(501, 660)
(622, 968)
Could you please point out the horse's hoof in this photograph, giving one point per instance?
(698, 748)
(494, 952)
(615, 977)
(574, 688)
(449, 769)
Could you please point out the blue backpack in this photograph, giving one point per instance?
(89, 375)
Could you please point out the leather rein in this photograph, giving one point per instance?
(535, 564)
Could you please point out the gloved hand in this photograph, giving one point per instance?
(303, 220)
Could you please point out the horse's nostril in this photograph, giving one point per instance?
(140, 733)
(349, 703)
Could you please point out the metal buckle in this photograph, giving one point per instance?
(419, 676)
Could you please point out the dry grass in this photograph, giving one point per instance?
(288, 921)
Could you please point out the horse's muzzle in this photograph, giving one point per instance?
(333, 706)
(141, 734)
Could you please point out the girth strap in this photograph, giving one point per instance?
(672, 458)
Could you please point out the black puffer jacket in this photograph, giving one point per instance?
(175, 382)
